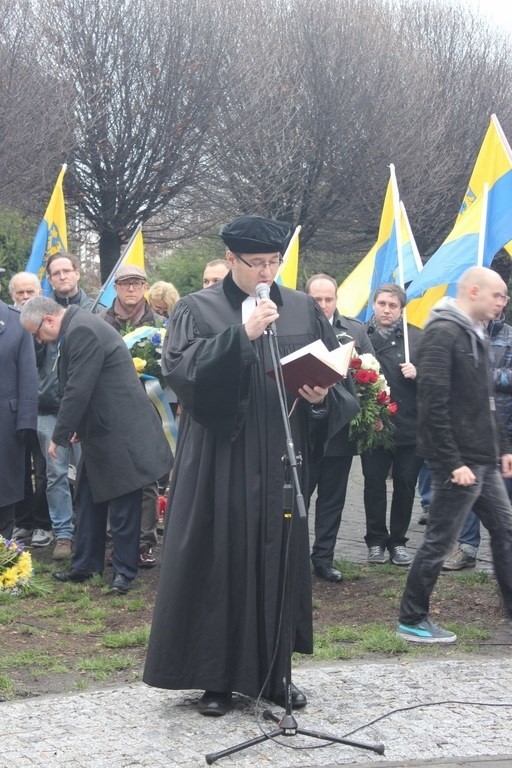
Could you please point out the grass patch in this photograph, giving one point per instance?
(342, 642)
(127, 639)
(6, 685)
(8, 613)
(102, 667)
(44, 662)
(134, 605)
(475, 579)
(83, 628)
(350, 571)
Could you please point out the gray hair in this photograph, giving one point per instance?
(23, 274)
(35, 309)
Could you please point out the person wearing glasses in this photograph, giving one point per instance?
(18, 411)
(63, 272)
(217, 613)
(131, 310)
(123, 445)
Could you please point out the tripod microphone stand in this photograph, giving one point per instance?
(287, 725)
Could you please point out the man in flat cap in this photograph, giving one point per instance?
(215, 624)
(130, 308)
(129, 311)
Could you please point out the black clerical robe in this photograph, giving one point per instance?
(217, 608)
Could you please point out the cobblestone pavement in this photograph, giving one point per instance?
(398, 703)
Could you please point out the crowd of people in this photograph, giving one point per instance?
(71, 397)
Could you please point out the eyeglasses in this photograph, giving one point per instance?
(261, 265)
(131, 284)
(36, 332)
(503, 296)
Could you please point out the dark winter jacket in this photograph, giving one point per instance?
(457, 422)
(123, 444)
(46, 355)
(390, 353)
(500, 335)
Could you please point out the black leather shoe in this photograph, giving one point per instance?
(328, 573)
(120, 584)
(214, 704)
(74, 575)
(299, 700)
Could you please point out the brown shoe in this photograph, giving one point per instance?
(62, 550)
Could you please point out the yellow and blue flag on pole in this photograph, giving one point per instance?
(51, 236)
(134, 255)
(288, 271)
(482, 214)
(380, 265)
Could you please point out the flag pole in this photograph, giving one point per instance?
(398, 231)
(482, 229)
(116, 267)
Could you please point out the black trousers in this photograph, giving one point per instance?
(32, 511)
(449, 509)
(91, 530)
(405, 466)
(7, 520)
(330, 477)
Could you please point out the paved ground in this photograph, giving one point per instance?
(450, 711)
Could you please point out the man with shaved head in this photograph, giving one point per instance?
(466, 446)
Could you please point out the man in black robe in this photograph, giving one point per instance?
(215, 625)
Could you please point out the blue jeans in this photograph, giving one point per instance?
(448, 511)
(58, 493)
(424, 489)
(469, 539)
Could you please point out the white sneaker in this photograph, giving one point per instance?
(41, 538)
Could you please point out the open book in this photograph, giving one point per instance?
(315, 366)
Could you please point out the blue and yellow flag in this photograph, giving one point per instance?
(134, 255)
(289, 269)
(381, 263)
(51, 236)
(485, 215)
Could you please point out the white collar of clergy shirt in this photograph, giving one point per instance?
(248, 306)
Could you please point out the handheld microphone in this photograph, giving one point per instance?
(263, 292)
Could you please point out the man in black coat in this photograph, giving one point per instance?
(330, 474)
(18, 411)
(216, 622)
(123, 445)
(386, 332)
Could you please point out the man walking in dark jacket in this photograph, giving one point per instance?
(123, 445)
(462, 438)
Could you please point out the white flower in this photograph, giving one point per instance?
(369, 362)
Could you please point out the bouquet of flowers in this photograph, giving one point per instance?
(372, 427)
(147, 352)
(15, 566)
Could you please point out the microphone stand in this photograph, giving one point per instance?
(287, 725)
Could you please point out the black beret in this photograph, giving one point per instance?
(254, 234)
